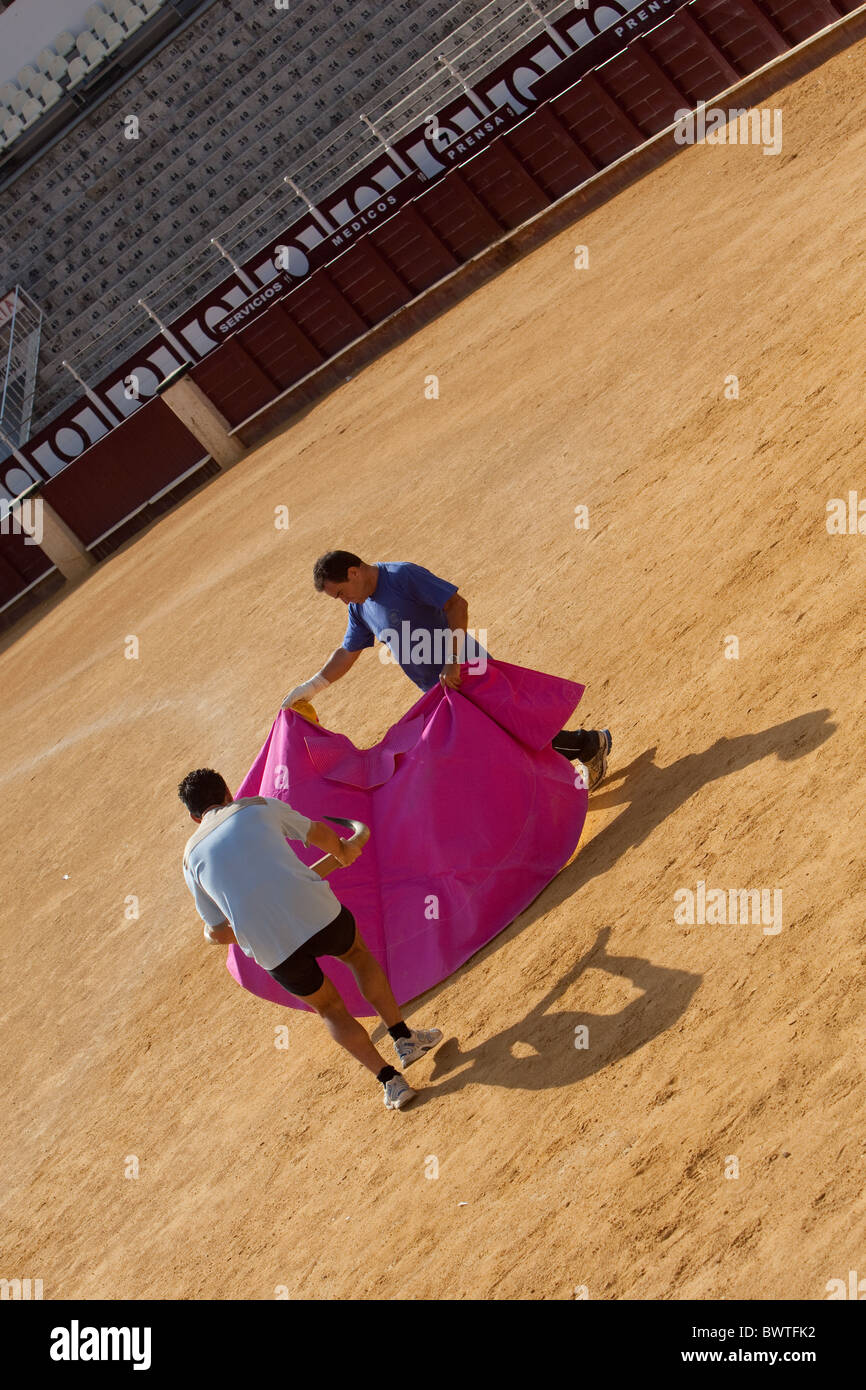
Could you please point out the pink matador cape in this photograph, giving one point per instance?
(471, 814)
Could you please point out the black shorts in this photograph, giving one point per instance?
(300, 973)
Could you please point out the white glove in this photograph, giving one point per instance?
(305, 691)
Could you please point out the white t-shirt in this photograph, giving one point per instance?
(240, 870)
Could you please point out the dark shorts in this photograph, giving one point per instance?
(300, 973)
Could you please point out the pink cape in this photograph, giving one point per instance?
(471, 813)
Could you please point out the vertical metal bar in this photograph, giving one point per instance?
(9, 354)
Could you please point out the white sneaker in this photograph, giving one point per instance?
(398, 1093)
(421, 1040)
(597, 767)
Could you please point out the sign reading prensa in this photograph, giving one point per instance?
(376, 188)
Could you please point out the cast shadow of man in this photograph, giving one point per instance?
(561, 1051)
(653, 793)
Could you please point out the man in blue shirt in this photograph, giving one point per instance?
(422, 620)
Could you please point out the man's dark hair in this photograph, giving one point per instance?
(201, 789)
(333, 567)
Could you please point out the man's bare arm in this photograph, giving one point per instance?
(323, 837)
(339, 662)
(456, 610)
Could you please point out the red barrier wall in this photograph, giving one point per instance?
(21, 564)
(278, 341)
(234, 380)
(563, 140)
(123, 471)
(569, 137)
(413, 250)
(457, 217)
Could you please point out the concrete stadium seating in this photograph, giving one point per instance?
(106, 28)
(52, 64)
(64, 43)
(70, 61)
(132, 17)
(10, 126)
(45, 89)
(243, 96)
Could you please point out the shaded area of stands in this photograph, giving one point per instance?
(538, 160)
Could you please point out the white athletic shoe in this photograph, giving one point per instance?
(597, 767)
(411, 1048)
(398, 1093)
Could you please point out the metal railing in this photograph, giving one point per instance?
(480, 43)
(20, 331)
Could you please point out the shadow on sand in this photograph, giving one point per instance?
(650, 794)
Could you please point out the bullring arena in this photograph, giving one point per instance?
(693, 380)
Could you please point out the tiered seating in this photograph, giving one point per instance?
(67, 63)
(244, 95)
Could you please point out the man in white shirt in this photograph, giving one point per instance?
(251, 890)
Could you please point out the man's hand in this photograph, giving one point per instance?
(323, 837)
(307, 689)
(450, 678)
(220, 936)
(339, 662)
(349, 853)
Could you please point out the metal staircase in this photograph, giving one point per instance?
(20, 333)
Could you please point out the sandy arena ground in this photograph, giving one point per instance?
(558, 1167)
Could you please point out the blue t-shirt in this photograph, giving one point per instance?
(406, 612)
